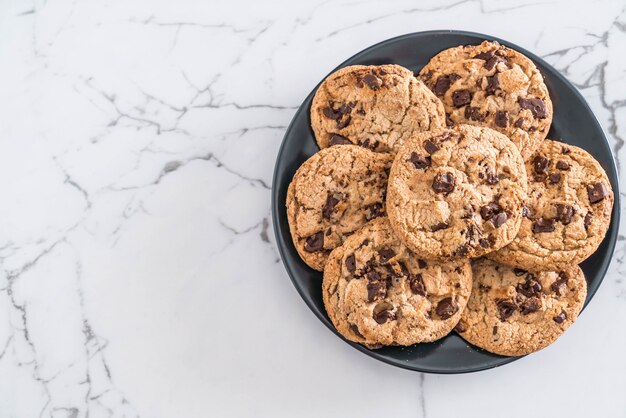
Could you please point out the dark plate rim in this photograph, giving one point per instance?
(615, 216)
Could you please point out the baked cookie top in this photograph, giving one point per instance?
(514, 312)
(567, 213)
(376, 107)
(495, 86)
(456, 192)
(377, 292)
(333, 194)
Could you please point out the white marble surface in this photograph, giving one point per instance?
(139, 274)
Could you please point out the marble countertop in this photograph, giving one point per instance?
(139, 273)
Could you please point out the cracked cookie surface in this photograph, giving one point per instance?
(456, 192)
(495, 86)
(568, 210)
(333, 194)
(376, 107)
(514, 312)
(377, 292)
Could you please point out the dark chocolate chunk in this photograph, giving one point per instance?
(376, 289)
(519, 123)
(484, 243)
(337, 139)
(386, 254)
(531, 287)
(430, 147)
(506, 308)
(342, 123)
(383, 313)
(597, 192)
(543, 225)
(446, 308)
(493, 84)
(473, 113)
(564, 213)
(559, 284)
(439, 226)
(536, 106)
(519, 272)
(531, 305)
(315, 242)
(443, 83)
(329, 207)
(462, 251)
(460, 327)
(587, 220)
(502, 118)
(540, 164)
(562, 165)
(351, 263)
(555, 178)
(560, 318)
(355, 330)
(416, 283)
(491, 59)
(372, 81)
(374, 210)
(331, 113)
(461, 97)
(490, 210)
(421, 264)
(499, 219)
(419, 162)
(443, 183)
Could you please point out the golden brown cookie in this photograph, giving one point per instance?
(495, 86)
(456, 192)
(514, 312)
(333, 194)
(376, 107)
(567, 213)
(377, 292)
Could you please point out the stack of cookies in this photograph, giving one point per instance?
(436, 204)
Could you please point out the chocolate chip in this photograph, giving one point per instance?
(449, 122)
(541, 164)
(543, 225)
(502, 118)
(559, 284)
(536, 106)
(370, 144)
(519, 272)
(372, 81)
(386, 254)
(462, 251)
(597, 192)
(315, 242)
(505, 308)
(443, 183)
(530, 306)
(460, 327)
(331, 113)
(351, 263)
(587, 220)
(439, 227)
(361, 112)
(493, 84)
(355, 330)
(421, 264)
(430, 147)
(381, 72)
(342, 123)
(383, 313)
(484, 243)
(376, 289)
(373, 275)
(562, 165)
(499, 219)
(337, 139)
(491, 59)
(446, 308)
(329, 207)
(442, 85)
(494, 330)
(416, 283)
(560, 318)
(564, 213)
(518, 123)
(565, 150)
(374, 210)
(484, 288)
(489, 210)
(473, 113)
(419, 162)
(526, 212)
(555, 178)
(345, 109)
(426, 76)
(461, 97)
(531, 287)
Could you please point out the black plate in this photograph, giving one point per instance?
(573, 122)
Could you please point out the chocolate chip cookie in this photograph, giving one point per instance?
(567, 213)
(457, 192)
(495, 86)
(333, 194)
(376, 107)
(377, 292)
(514, 312)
